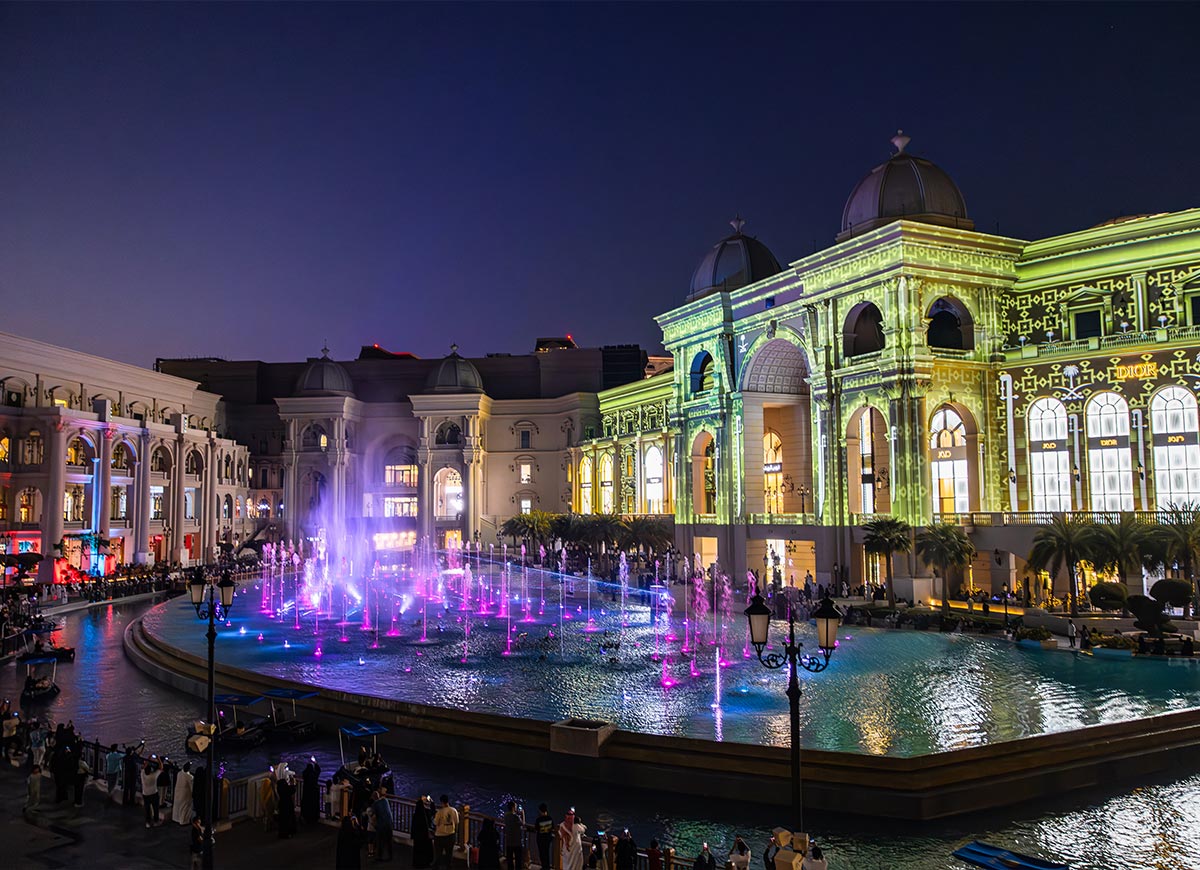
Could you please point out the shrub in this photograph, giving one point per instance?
(1149, 613)
(1108, 596)
(1172, 593)
(1036, 632)
(1116, 641)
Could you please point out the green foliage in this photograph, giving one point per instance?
(1149, 614)
(885, 536)
(1108, 596)
(944, 547)
(1034, 632)
(1060, 544)
(1172, 593)
(1115, 641)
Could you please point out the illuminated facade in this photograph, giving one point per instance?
(923, 369)
(95, 449)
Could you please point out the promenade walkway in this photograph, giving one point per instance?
(103, 835)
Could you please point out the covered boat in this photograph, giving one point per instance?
(996, 858)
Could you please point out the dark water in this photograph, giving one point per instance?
(1156, 826)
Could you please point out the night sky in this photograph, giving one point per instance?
(249, 181)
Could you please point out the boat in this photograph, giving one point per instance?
(38, 651)
(283, 727)
(238, 736)
(997, 858)
(40, 687)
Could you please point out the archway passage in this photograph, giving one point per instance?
(951, 326)
(868, 460)
(776, 403)
(863, 331)
(704, 474)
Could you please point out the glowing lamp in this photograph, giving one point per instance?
(226, 588)
(827, 618)
(196, 588)
(759, 616)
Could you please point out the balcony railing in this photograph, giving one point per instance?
(781, 519)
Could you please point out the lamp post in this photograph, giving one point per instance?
(827, 618)
(212, 601)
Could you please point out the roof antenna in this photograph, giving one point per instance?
(900, 141)
(737, 223)
(453, 348)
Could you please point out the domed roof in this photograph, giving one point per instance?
(454, 375)
(324, 377)
(906, 187)
(733, 262)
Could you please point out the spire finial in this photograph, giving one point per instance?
(737, 223)
(453, 348)
(900, 141)
(325, 350)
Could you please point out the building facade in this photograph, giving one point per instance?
(103, 464)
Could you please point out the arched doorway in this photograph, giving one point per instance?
(863, 330)
(704, 474)
(951, 326)
(952, 435)
(867, 460)
(775, 398)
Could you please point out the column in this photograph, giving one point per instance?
(102, 484)
(141, 504)
(177, 521)
(52, 499)
(207, 503)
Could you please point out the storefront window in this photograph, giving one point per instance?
(1110, 467)
(948, 452)
(773, 472)
(654, 486)
(606, 484)
(1049, 456)
(1176, 433)
(585, 485)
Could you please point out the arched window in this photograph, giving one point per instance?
(227, 508)
(29, 509)
(606, 484)
(241, 472)
(34, 448)
(314, 438)
(585, 485)
(400, 468)
(120, 458)
(194, 465)
(228, 468)
(73, 503)
(1110, 466)
(863, 332)
(1176, 437)
(773, 472)
(868, 421)
(948, 452)
(1049, 456)
(77, 452)
(5, 449)
(653, 483)
(160, 460)
(237, 507)
(950, 326)
(448, 434)
(702, 372)
(448, 493)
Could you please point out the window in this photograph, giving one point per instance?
(773, 472)
(606, 484)
(948, 451)
(400, 506)
(156, 502)
(448, 434)
(193, 464)
(400, 468)
(118, 503)
(525, 472)
(73, 504)
(526, 439)
(1174, 428)
(158, 461)
(448, 493)
(863, 332)
(5, 449)
(189, 504)
(526, 504)
(27, 506)
(654, 485)
(3, 502)
(237, 508)
(120, 458)
(1194, 306)
(1088, 324)
(227, 508)
(1110, 466)
(77, 452)
(34, 447)
(1049, 456)
(702, 372)
(585, 485)
(950, 326)
(866, 459)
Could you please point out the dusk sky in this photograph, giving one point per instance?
(250, 181)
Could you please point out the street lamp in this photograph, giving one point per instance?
(827, 618)
(212, 601)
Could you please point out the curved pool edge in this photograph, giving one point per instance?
(914, 788)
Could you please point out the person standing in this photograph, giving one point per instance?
(570, 841)
(815, 860)
(739, 855)
(268, 800)
(37, 742)
(287, 806)
(445, 827)
(310, 796)
(150, 791)
(112, 767)
(181, 804)
(130, 769)
(543, 827)
(349, 845)
(422, 843)
(33, 790)
(1071, 631)
(383, 826)
(489, 846)
(705, 860)
(626, 851)
(514, 835)
(82, 770)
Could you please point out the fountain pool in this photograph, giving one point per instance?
(522, 644)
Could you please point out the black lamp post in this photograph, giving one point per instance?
(212, 601)
(827, 618)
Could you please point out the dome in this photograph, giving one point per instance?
(324, 377)
(733, 262)
(906, 187)
(454, 375)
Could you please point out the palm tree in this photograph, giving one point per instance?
(885, 536)
(1180, 537)
(1059, 544)
(1124, 547)
(944, 547)
(652, 534)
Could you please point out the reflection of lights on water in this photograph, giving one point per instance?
(242, 630)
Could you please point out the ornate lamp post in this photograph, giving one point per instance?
(828, 618)
(212, 601)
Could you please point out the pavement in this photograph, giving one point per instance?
(102, 835)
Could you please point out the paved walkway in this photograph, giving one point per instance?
(103, 835)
